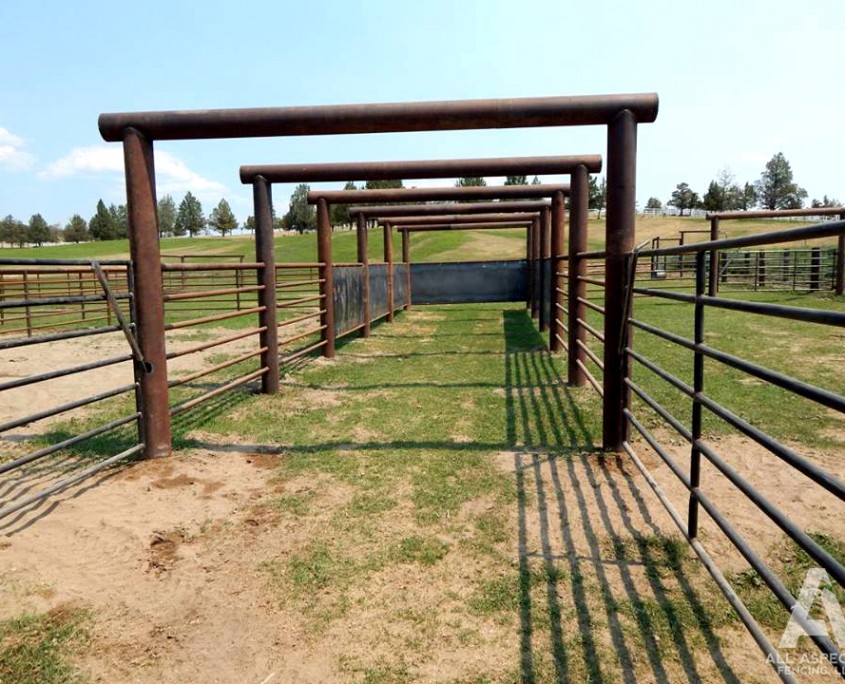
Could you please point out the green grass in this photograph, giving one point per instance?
(38, 648)
(790, 564)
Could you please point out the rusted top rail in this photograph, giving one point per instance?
(380, 118)
(520, 217)
(488, 225)
(418, 168)
(481, 192)
(450, 208)
(776, 213)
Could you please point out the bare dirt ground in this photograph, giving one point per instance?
(170, 556)
(174, 559)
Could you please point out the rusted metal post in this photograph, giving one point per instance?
(713, 282)
(529, 269)
(149, 293)
(579, 202)
(558, 255)
(535, 268)
(364, 260)
(388, 259)
(621, 217)
(324, 256)
(406, 259)
(265, 253)
(840, 261)
(545, 262)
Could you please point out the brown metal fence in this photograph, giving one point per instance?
(101, 304)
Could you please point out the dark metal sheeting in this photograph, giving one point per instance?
(348, 291)
(378, 290)
(477, 281)
(400, 285)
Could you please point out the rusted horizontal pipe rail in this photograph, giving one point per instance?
(507, 225)
(775, 213)
(517, 217)
(444, 115)
(384, 211)
(481, 192)
(429, 168)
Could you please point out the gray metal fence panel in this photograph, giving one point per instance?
(474, 281)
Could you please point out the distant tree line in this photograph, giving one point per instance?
(112, 223)
(775, 189)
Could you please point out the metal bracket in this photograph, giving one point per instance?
(115, 307)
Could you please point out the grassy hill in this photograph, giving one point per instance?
(433, 246)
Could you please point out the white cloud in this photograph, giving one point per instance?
(172, 174)
(12, 154)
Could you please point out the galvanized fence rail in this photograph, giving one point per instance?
(689, 426)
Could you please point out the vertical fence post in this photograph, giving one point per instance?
(27, 310)
(698, 386)
(545, 262)
(761, 267)
(81, 289)
(815, 268)
(324, 256)
(239, 281)
(715, 258)
(840, 261)
(406, 259)
(364, 260)
(529, 268)
(579, 200)
(265, 253)
(621, 216)
(557, 298)
(535, 267)
(388, 259)
(149, 291)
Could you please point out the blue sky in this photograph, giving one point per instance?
(738, 82)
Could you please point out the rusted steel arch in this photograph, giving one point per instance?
(138, 131)
(385, 211)
(418, 168)
(481, 192)
(446, 115)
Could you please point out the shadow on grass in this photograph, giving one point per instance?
(580, 508)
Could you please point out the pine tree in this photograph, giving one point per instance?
(76, 229)
(166, 216)
(383, 184)
(101, 225)
(776, 189)
(597, 194)
(339, 213)
(470, 182)
(38, 232)
(120, 220)
(516, 180)
(301, 216)
(222, 219)
(189, 218)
